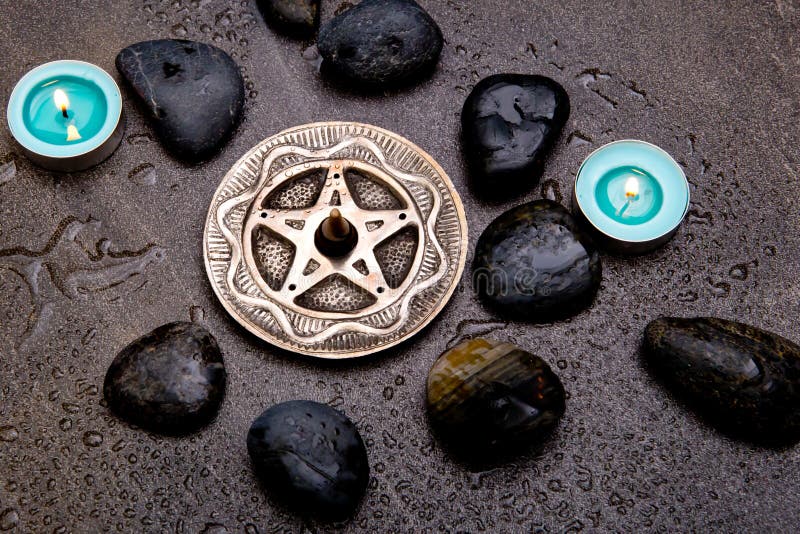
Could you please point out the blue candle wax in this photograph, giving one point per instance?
(66, 115)
(45, 106)
(633, 193)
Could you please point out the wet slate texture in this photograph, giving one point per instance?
(91, 261)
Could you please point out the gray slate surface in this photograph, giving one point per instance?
(716, 84)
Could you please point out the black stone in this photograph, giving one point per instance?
(193, 91)
(171, 380)
(381, 43)
(487, 400)
(509, 123)
(298, 18)
(743, 380)
(311, 457)
(534, 263)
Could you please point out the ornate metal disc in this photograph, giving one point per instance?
(259, 241)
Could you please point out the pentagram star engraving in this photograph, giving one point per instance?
(309, 266)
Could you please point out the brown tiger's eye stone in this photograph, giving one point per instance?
(486, 398)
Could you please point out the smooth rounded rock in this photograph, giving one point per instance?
(509, 123)
(193, 92)
(297, 18)
(486, 398)
(381, 43)
(171, 380)
(744, 380)
(534, 263)
(311, 457)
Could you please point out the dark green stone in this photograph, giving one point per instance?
(171, 380)
(534, 263)
(487, 399)
(744, 380)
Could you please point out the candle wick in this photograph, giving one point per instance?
(621, 211)
(64, 112)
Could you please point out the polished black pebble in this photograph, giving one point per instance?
(486, 399)
(193, 92)
(311, 457)
(381, 43)
(509, 123)
(744, 380)
(171, 380)
(534, 263)
(298, 18)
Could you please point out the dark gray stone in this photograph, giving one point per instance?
(534, 263)
(298, 18)
(381, 43)
(310, 457)
(509, 123)
(193, 92)
(171, 380)
(746, 381)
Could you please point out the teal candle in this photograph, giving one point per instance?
(66, 115)
(633, 194)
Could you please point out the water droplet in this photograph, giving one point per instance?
(65, 424)
(314, 58)
(578, 139)
(139, 138)
(472, 328)
(739, 272)
(144, 174)
(8, 169)
(388, 393)
(719, 289)
(214, 528)
(9, 518)
(197, 314)
(552, 191)
(179, 30)
(71, 407)
(88, 336)
(8, 434)
(92, 438)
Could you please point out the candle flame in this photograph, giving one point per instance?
(632, 187)
(61, 100)
(72, 133)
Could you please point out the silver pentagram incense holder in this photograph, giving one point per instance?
(335, 240)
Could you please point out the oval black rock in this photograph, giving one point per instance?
(381, 43)
(171, 380)
(509, 123)
(298, 18)
(744, 380)
(193, 91)
(534, 263)
(487, 399)
(311, 457)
